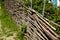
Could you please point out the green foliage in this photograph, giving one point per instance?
(21, 32)
(26, 2)
(38, 6)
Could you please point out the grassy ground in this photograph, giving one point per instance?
(9, 29)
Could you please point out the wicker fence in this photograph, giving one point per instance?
(37, 27)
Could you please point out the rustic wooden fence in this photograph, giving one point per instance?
(37, 27)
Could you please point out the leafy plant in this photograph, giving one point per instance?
(21, 32)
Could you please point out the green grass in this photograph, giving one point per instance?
(8, 23)
(6, 19)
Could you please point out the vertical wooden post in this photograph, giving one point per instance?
(43, 8)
